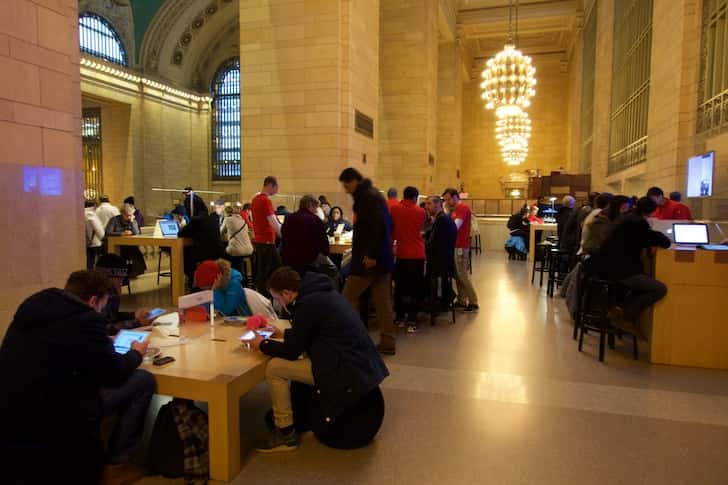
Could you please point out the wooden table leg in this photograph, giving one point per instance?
(177, 266)
(224, 425)
(531, 242)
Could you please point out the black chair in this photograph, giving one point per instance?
(166, 274)
(540, 261)
(438, 301)
(596, 299)
(558, 268)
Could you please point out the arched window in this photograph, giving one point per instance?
(226, 122)
(99, 39)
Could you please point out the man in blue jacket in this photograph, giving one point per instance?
(59, 375)
(341, 362)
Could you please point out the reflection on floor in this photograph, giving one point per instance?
(503, 397)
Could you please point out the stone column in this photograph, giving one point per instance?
(409, 96)
(306, 66)
(40, 153)
(449, 117)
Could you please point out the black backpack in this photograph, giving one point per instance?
(166, 449)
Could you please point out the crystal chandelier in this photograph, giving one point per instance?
(513, 129)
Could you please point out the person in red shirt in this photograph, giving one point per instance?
(266, 227)
(666, 208)
(392, 198)
(409, 270)
(533, 215)
(467, 298)
(682, 209)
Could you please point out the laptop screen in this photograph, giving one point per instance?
(690, 233)
(168, 228)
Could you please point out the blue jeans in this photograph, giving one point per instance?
(130, 402)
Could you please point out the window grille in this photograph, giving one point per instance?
(98, 38)
(226, 122)
(92, 155)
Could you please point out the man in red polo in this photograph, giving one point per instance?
(461, 214)
(409, 270)
(266, 227)
(392, 198)
(666, 208)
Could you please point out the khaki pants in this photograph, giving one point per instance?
(278, 373)
(462, 277)
(381, 285)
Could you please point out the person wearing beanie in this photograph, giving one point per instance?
(194, 204)
(229, 296)
(138, 216)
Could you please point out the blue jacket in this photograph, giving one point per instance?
(231, 299)
(344, 361)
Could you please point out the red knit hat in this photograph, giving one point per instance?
(206, 274)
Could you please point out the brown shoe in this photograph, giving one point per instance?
(122, 474)
(628, 327)
(386, 345)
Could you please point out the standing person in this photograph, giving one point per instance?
(563, 214)
(59, 375)
(409, 270)
(371, 254)
(138, 216)
(303, 237)
(94, 233)
(236, 232)
(668, 209)
(325, 205)
(194, 204)
(440, 249)
(204, 230)
(266, 227)
(219, 212)
(392, 197)
(125, 225)
(105, 210)
(461, 214)
(681, 209)
(620, 259)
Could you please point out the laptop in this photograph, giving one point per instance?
(169, 228)
(690, 235)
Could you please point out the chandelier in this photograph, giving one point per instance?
(508, 86)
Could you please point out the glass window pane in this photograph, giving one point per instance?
(99, 39)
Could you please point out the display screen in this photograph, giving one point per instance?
(690, 233)
(700, 175)
(169, 228)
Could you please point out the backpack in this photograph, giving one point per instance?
(168, 451)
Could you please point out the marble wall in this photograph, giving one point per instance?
(41, 202)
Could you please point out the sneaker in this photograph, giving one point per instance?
(278, 442)
(412, 328)
(471, 308)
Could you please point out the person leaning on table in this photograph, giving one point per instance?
(341, 364)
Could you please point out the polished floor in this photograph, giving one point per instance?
(504, 397)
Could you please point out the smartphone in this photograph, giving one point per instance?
(163, 360)
(250, 335)
(155, 313)
(124, 339)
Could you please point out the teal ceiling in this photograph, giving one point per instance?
(143, 12)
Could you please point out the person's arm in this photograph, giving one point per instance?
(135, 228)
(112, 228)
(373, 220)
(227, 298)
(323, 240)
(296, 339)
(98, 359)
(96, 225)
(275, 224)
(187, 230)
(657, 239)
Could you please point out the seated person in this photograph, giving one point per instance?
(603, 222)
(440, 251)
(59, 375)
(207, 242)
(116, 269)
(518, 224)
(682, 209)
(341, 363)
(179, 215)
(620, 259)
(533, 215)
(229, 296)
(303, 237)
(601, 203)
(563, 214)
(336, 217)
(125, 225)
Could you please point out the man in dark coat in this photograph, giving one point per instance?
(440, 246)
(194, 204)
(59, 374)
(371, 254)
(341, 362)
(206, 242)
(620, 259)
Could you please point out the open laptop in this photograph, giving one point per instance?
(690, 235)
(169, 228)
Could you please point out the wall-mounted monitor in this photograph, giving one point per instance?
(700, 175)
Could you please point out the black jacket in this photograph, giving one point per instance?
(517, 224)
(562, 218)
(570, 235)
(205, 234)
(372, 230)
(54, 359)
(440, 246)
(199, 206)
(345, 364)
(620, 255)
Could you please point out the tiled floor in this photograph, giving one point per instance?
(503, 397)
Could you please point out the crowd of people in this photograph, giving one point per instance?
(404, 256)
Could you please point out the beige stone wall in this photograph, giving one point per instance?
(149, 142)
(408, 93)
(305, 66)
(482, 162)
(575, 66)
(40, 152)
(449, 117)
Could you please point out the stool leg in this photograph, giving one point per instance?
(533, 271)
(159, 266)
(581, 337)
(601, 344)
(577, 323)
(610, 341)
(635, 351)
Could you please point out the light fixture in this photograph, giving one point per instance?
(515, 128)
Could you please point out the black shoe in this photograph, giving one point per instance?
(461, 307)
(471, 309)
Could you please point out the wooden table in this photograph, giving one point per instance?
(532, 237)
(212, 367)
(176, 256)
(339, 247)
(689, 325)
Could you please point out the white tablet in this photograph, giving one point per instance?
(124, 339)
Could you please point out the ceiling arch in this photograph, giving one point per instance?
(183, 34)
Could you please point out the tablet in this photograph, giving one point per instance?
(124, 339)
(250, 335)
(155, 313)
